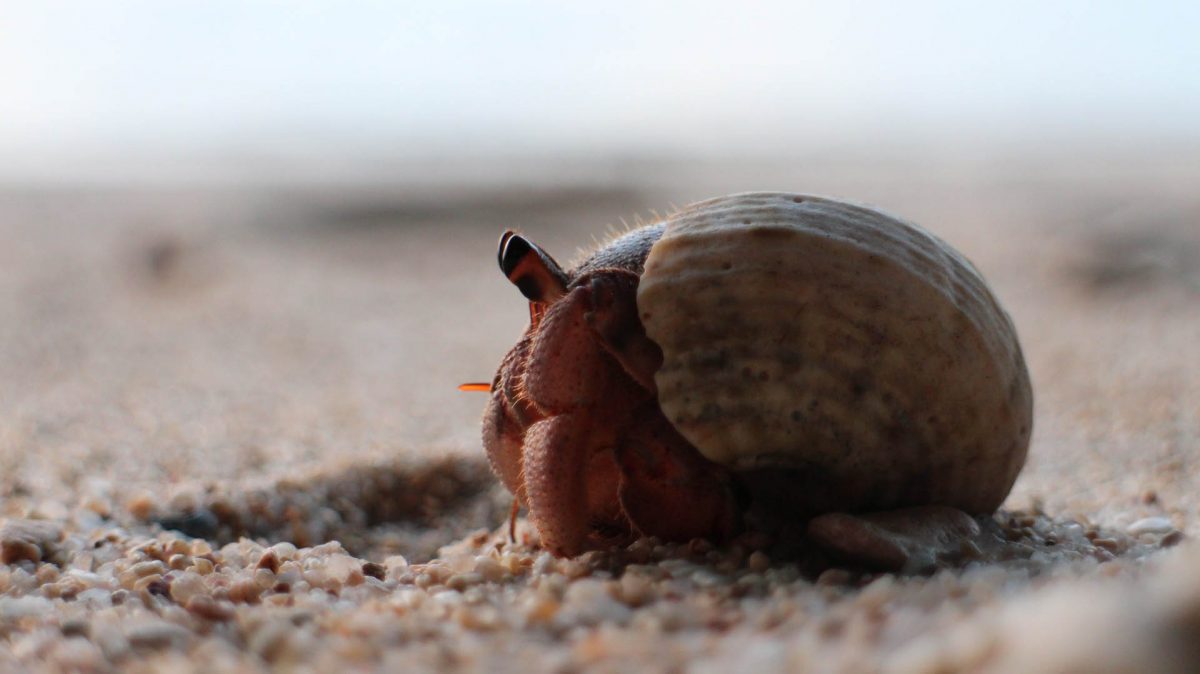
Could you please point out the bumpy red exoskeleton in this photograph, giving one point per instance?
(575, 431)
(574, 428)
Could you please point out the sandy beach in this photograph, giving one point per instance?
(231, 440)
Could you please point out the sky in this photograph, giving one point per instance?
(396, 77)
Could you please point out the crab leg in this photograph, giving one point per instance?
(555, 452)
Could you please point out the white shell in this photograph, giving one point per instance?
(863, 352)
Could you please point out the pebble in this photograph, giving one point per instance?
(270, 641)
(489, 569)
(1172, 539)
(539, 609)
(589, 602)
(210, 609)
(635, 589)
(269, 561)
(136, 597)
(461, 581)
(28, 540)
(834, 577)
(15, 608)
(148, 568)
(1150, 525)
(373, 570)
(395, 565)
(187, 585)
(155, 634)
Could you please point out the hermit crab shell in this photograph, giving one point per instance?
(834, 341)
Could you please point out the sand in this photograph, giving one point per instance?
(230, 437)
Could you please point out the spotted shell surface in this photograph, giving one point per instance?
(805, 333)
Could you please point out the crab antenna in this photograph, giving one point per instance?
(531, 269)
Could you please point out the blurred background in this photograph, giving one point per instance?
(244, 239)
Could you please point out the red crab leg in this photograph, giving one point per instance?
(554, 457)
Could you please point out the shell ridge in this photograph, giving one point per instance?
(785, 299)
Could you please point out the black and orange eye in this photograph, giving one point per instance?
(532, 270)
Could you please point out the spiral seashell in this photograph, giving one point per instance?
(830, 339)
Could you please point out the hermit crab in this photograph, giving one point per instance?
(760, 360)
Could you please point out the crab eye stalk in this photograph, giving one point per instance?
(535, 273)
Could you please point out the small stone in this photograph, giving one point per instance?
(758, 561)
(575, 568)
(635, 590)
(544, 564)
(264, 578)
(271, 640)
(269, 561)
(462, 581)
(208, 608)
(157, 634)
(1150, 525)
(395, 564)
(969, 549)
(834, 578)
(28, 540)
(540, 609)
(185, 586)
(489, 569)
(143, 569)
(144, 582)
(706, 578)
(141, 507)
(341, 566)
(245, 592)
(158, 587)
(46, 573)
(478, 619)
(111, 641)
(588, 602)
(374, 570)
(201, 523)
(15, 608)
(515, 565)
(75, 627)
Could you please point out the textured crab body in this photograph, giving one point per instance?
(773, 354)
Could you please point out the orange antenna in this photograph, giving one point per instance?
(476, 386)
